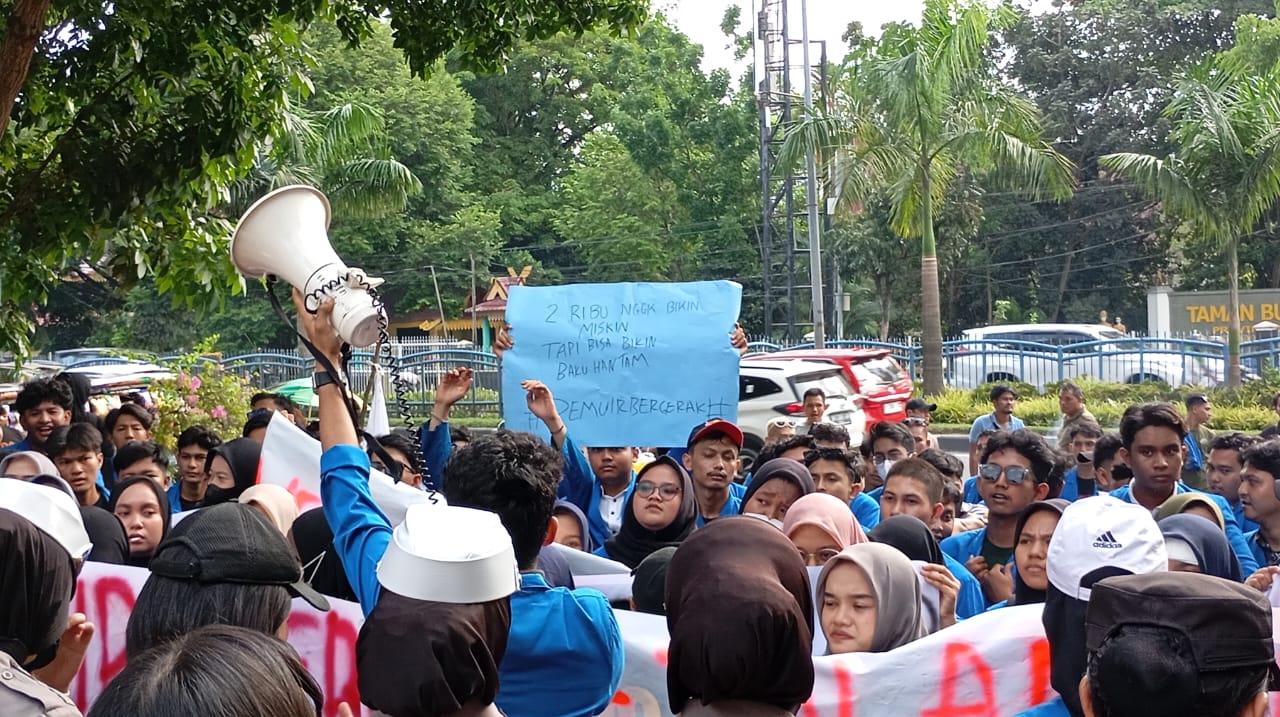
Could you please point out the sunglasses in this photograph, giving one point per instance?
(915, 421)
(666, 491)
(1014, 474)
(783, 423)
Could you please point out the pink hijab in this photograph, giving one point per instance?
(827, 513)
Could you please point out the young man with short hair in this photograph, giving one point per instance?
(142, 458)
(889, 442)
(1079, 480)
(600, 481)
(280, 403)
(77, 452)
(711, 457)
(1074, 412)
(920, 408)
(1197, 439)
(1003, 401)
(829, 435)
(1018, 468)
(1109, 472)
(43, 404)
(129, 422)
(914, 487)
(1225, 465)
(814, 403)
(399, 448)
(839, 473)
(1260, 503)
(194, 444)
(1153, 449)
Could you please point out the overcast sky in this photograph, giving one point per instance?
(700, 20)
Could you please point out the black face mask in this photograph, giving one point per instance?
(216, 494)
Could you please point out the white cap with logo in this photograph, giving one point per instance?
(1103, 531)
(450, 554)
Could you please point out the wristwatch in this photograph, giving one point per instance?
(321, 378)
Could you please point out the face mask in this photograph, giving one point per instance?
(883, 468)
(216, 494)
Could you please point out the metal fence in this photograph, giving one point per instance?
(970, 362)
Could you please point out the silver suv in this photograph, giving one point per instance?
(768, 388)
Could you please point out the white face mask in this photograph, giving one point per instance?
(883, 468)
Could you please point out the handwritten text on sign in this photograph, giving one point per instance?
(629, 364)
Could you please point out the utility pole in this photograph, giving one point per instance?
(811, 192)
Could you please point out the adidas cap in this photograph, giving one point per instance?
(1103, 531)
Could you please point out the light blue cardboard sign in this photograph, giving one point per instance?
(629, 364)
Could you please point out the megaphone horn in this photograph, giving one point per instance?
(285, 234)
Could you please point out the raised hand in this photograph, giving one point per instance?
(542, 403)
(453, 386)
(948, 590)
(502, 340)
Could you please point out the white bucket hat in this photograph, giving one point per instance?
(450, 554)
(51, 510)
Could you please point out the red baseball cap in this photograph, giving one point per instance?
(716, 425)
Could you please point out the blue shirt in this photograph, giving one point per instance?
(564, 653)
(1248, 563)
(970, 601)
(436, 445)
(1256, 550)
(962, 546)
(1053, 708)
(988, 423)
(866, 509)
(874, 494)
(22, 445)
(361, 531)
(971, 494)
(581, 487)
(732, 506)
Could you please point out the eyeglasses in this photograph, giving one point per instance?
(666, 491)
(819, 558)
(894, 456)
(1014, 474)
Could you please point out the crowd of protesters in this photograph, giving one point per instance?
(1150, 549)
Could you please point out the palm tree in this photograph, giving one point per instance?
(339, 151)
(1225, 171)
(911, 112)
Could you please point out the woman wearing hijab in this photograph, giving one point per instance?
(321, 567)
(662, 513)
(273, 501)
(25, 464)
(1193, 503)
(820, 526)
(232, 468)
(1195, 546)
(870, 600)
(142, 507)
(940, 588)
(775, 486)
(741, 633)
(572, 529)
(1031, 536)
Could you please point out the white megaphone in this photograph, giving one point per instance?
(285, 234)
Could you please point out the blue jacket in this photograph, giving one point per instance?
(971, 494)
(732, 506)
(960, 547)
(436, 445)
(1235, 536)
(564, 652)
(581, 487)
(874, 494)
(1246, 525)
(1255, 549)
(970, 601)
(866, 509)
(1053, 708)
(361, 531)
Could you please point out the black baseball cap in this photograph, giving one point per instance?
(919, 404)
(1227, 624)
(232, 543)
(716, 425)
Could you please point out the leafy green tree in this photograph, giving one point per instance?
(910, 113)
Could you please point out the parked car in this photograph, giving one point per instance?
(768, 388)
(1039, 354)
(100, 356)
(881, 386)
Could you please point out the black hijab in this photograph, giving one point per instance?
(110, 542)
(791, 471)
(1207, 541)
(1024, 594)
(909, 535)
(143, 560)
(242, 455)
(321, 566)
(740, 614)
(37, 580)
(634, 542)
(454, 651)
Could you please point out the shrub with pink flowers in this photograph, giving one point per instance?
(200, 393)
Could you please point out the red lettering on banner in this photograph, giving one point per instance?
(661, 656)
(843, 677)
(621, 698)
(339, 660)
(962, 661)
(105, 590)
(1039, 691)
(304, 498)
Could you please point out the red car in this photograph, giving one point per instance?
(882, 384)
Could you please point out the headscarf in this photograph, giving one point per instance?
(142, 560)
(1213, 552)
(634, 542)
(740, 615)
(44, 466)
(110, 542)
(453, 650)
(1024, 594)
(277, 503)
(576, 512)
(909, 535)
(321, 566)
(242, 455)
(1177, 504)
(37, 580)
(786, 469)
(893, 579)
(826, 513)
